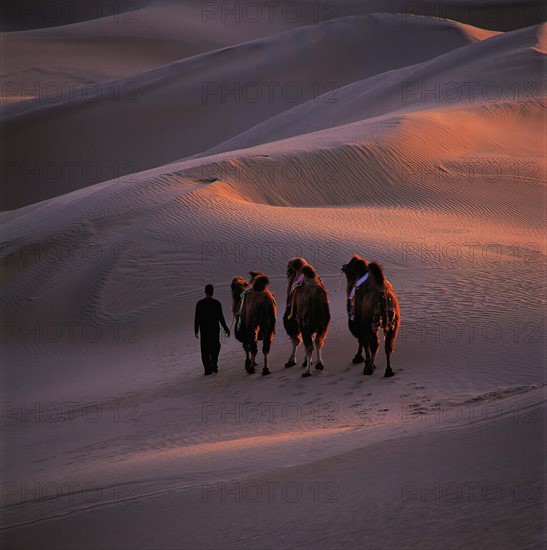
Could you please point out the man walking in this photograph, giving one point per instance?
(206, 324)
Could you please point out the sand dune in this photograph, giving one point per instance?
(474, 75)
(359, 168)
(141, 38)
(498, 14)
(185, 107)
(391, 498)
(417, 160)
(103, 401)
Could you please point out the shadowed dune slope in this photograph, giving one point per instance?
(474, 75)
(191, 105)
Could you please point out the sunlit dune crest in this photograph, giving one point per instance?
(541, 45)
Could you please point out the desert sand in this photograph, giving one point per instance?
(149, 152)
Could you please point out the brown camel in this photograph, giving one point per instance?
(307, 315)
(372, 304)
(290, 322)
(255, 312)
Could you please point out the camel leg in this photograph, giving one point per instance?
(267, 342)
(365, 341)
(359, 355)
(354, 329)
(389, 344)
(265, 370)
(251, 369)
(319, 361)
(308, 342)
(292, 359)
(253, 349)
(248, 361)
(293, 330)
(374, 345)
(319, 341)
(308, 364)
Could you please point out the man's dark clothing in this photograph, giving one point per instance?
(206, 322)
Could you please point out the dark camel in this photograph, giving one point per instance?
(372, 304)
(255, 312)
(307, 316)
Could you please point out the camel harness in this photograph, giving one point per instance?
(240, 306)
(351, 299)
(298, 282)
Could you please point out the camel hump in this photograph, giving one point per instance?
(297, 263)
(377, 273)
(254, 275)
(260, 283)
(238, 280)
(308, 272)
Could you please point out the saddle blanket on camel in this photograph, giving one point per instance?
(384, 310)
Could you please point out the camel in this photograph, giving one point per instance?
(290, 322)
(307, 315)
(255, 312)
(372, 304)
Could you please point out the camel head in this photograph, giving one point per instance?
(355, 268)
(254, 275)
(294, 266)
(260, 282)
(239, 284)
